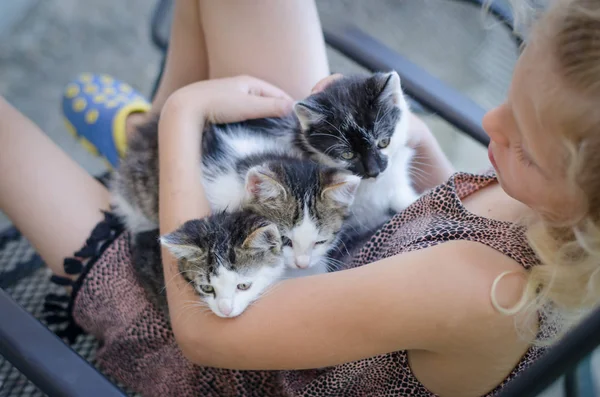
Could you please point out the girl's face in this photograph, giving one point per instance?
(525, 148)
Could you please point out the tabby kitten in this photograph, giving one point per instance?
(360, 123)
(229, 258)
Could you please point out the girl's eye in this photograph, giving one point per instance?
(347, 155)
(321, 242)
(383, 143)
(522, 157)
(207, 289)
(244, 286)
(286, 241)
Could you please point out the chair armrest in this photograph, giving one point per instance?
(501, 11)
(563, 357)
(429, 91)
(44, 359)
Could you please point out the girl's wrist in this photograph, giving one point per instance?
(418, 133)
(180, 104)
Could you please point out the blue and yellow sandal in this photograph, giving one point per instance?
(95, 108)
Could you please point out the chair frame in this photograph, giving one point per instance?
(59, 371)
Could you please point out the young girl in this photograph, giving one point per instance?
(449, 298)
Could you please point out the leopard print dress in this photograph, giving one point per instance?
(138, 348)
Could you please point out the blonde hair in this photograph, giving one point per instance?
(567, 283)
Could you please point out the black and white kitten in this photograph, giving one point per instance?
(229, 258)
(360, 123)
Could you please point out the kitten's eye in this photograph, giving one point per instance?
(207, 289)
(244, 286)
(383, 143)
(320, 242)
(286, 241)
(347, 155)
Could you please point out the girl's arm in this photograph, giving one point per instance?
(181, 196)
(430, 164)
(436, 300)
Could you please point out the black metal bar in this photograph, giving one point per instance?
(159, 16)
(560, 359)
(44, 359)
(571, 386)
(158, 78)
(501, 11)
(431, 92)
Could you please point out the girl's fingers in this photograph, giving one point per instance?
(320, 86)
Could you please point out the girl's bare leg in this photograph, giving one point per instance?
(278, 41)
(50, 198)
(186, 57)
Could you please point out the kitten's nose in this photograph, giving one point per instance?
(372, 168)
(372, 173)
(302, 261)
(225, 306)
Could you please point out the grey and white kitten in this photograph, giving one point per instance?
(360, 123)
(229, 258)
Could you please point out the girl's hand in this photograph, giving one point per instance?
(231, 100)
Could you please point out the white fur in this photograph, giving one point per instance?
(392, 188)
(229, 301)
(225, 192)
(225, 189)
(304, 253)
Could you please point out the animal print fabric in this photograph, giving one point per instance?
(138, 348)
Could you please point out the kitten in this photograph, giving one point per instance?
(229, 258)
(360, 123)
(134, 184)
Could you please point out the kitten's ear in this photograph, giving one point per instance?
(264, 238)
(389, 88)
(307, 114)
(181, 246)
(262, 184)
(341, 189)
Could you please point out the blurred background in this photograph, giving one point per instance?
(45, 44)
